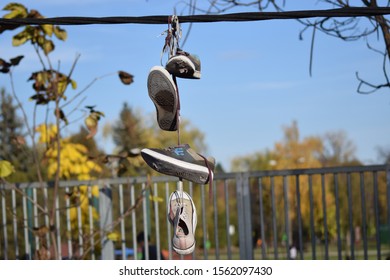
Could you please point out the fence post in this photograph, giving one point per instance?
(388, 193)
(244, 216)
(105, 215)
(248, 217)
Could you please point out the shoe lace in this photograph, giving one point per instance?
(178, 110)
(211, 176)
(174, 32)
(171, 45)
(181, 52)
(181, 215)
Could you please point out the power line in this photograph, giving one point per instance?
(234, 17)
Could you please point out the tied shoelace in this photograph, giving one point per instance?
(171, 44)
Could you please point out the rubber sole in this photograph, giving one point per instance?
(162, 91)
(174, 167)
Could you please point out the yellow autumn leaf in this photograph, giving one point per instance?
(6, 168)
(16, 11)
(47, 133)
(155, 198)
(113, 236)
(48, 29)
(83, 190)
(60, 33)
(95, 191)
(93, 166)
(80, 147)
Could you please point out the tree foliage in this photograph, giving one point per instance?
(55, 155)
(292, 152)
(129, 130)
(13, 146)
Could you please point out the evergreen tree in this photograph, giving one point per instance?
(12, 143)
(127, 131)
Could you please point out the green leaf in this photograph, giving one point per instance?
(17, 11)
(60, 33)
(6, 168)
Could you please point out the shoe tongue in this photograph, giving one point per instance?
(179, 231)
(211, 160)
(194, 154)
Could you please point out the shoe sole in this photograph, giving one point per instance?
(186, 251)
(176, 65)
(175, 195)
(175, 167)
(162, 91)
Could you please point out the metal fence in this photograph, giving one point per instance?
(324, 213)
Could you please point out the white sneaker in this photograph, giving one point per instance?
(182, 215)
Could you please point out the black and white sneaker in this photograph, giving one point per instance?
(163, 92)
(180, 161)
(184, 65)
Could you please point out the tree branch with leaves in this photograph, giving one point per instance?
(63, 158)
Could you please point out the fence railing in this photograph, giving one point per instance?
(324, 213)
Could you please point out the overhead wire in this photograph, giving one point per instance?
(232, 17)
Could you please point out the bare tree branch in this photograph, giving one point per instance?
(347, 29)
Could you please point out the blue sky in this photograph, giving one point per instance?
(255, 76)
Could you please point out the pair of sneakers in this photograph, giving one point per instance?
(185, 163)
(162, 87)
(180, 161)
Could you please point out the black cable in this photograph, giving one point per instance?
(235, 17)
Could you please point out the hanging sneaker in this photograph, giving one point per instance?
(184, 65)
(163, 92)
(182, 216)
(180, 161)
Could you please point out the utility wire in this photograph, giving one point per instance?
(234, 17)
